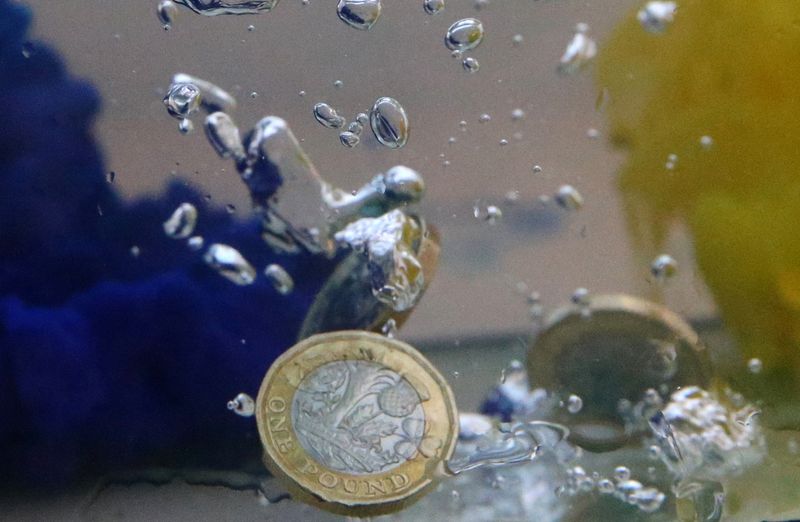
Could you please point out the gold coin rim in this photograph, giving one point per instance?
(329, 499)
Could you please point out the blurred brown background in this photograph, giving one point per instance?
(122, 48)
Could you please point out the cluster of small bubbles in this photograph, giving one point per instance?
(577, 481)
(166, 12)
(517, 114)
(656, 16)
(242, 405)
(755, 366)
(327, 116)
(389, 122)
(511, 197)
(484, 118)
(471, 65)
(568, 197)
(359, 14)
(349, 139)
(229, 263)
(464, 35)
(433, 7)
(389, 328)
(517, 39)
(185, 126)
(574, 404)
(279, 278)
(664, 267)
(195, 243)
(182, 100)
(579, 52)
(672, 160)
(181, 223)
(706, 142)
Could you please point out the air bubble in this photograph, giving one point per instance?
(166, 12)
(279, 278)
(181, 223)
(755, 366)
(229, 263)
(242, 405)
(433, 7)
(579, 52)
(464, 35)
(655, 17)
(360, 14)
(185, 126)
(349, 139)
(471, 65)
(327, 116)
(568, 198)
(182, 100)
(622, 474)
(389, 122)
(574, 404)
(664, 267)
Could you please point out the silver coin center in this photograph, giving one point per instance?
(358, 417)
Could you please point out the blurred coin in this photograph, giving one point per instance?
(611, 348)
(356, 423)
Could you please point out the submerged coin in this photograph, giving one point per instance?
(614, 347)
(356, 423)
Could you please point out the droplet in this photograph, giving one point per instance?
(242, 405)
(182, 100)
(223, 134)
(568, 198)
(470, 64)
(464, 35)
(181, 223)
(166, 11)
(580, 51)
(230, 264)
(574, 404)
(664, 267)
(349, 139)
(185, 126)
(389, 122)
(755, 366)
(433, 7)
(327, 116)
(360, 14)
(655, 17)
(228, 7)
(622, 473)
(280, 279)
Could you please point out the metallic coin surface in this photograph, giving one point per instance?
(356, 423)
(614, 347)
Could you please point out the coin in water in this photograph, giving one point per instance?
(614, 347)
(356, 423)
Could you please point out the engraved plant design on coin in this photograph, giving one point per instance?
(358, 417)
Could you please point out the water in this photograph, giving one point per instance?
(359, 14)
(389, 122)
(464, 35)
